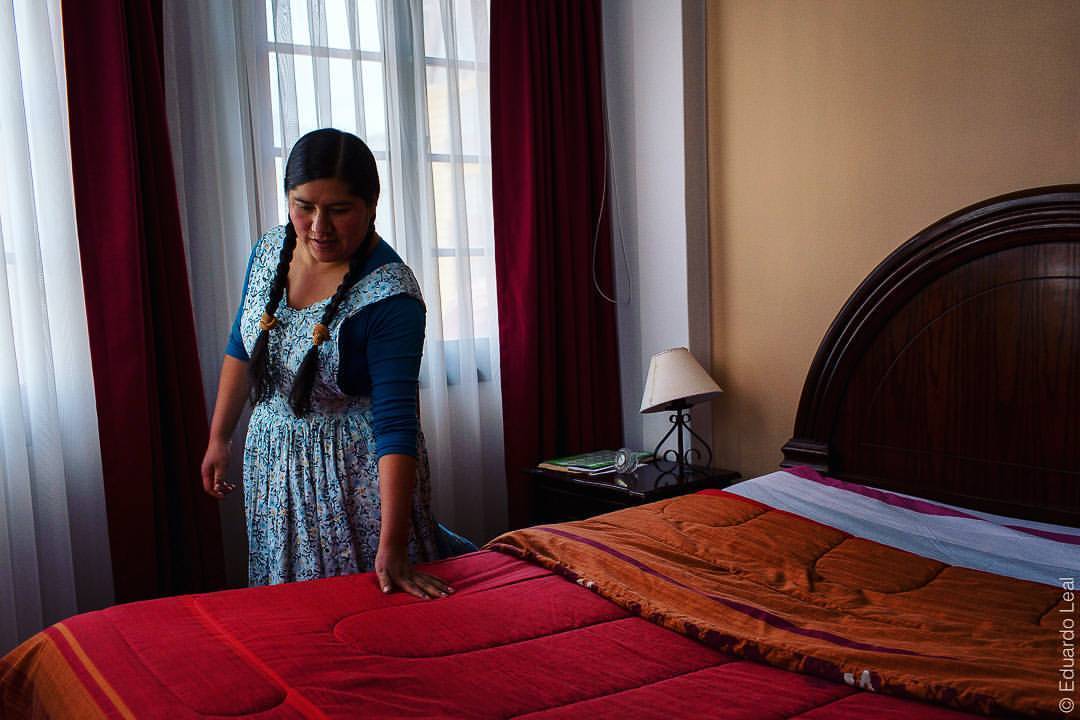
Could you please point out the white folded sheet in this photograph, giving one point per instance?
(1041, 552)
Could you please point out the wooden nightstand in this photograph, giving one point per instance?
(559, 496)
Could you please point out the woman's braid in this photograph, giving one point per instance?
(300, 394)
(259, 371)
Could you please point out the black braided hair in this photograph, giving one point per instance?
(262, 381)
(320, 154)
(300, 394)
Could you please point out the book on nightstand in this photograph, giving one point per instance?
(597, 462)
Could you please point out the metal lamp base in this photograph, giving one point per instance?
(683, 459)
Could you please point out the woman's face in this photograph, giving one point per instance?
(330, 222)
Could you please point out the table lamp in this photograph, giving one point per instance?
(675, 382)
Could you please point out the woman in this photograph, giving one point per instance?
(327, 344)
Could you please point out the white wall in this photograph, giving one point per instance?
(657, 141)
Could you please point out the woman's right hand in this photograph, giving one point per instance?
(214, 466)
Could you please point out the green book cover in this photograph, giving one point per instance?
(596, 460)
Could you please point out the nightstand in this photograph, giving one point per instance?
(560, 497)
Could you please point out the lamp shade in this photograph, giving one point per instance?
(676, 377)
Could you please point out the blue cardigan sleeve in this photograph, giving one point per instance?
(235, 347)
(387, 337)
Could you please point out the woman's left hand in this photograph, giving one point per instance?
(394, 571)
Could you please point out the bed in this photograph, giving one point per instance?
(910, 560)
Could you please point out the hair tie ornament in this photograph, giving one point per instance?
(267, 322)
(320, 334)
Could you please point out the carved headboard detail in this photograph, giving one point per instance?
(953, 371)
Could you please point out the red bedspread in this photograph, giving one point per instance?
(515, 640)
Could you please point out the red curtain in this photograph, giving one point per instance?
(560, 361)
(165, 535)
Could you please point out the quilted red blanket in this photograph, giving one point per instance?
(515, 640)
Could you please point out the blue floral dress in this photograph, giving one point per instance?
(311, 484)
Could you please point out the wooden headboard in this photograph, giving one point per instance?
(953, 371)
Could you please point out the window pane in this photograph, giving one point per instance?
(374, 104)
(12, 270)
(463, 25)
(448, 292)
(368, 20)
(445, 211)
(480, 266)
(433, 30)
(275, 97)
(469, 103)
(269, 20)
(342, 109)
(279, 192)
(478, 206)
(305, 94)
(438, 102)
(299, 15)
(337, 24)
(385, 216)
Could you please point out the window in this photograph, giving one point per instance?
(356, 65)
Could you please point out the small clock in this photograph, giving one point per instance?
(625, 460)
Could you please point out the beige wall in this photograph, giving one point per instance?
(837, 130)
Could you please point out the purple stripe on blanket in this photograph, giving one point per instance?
(749, 610)
(1055, 536)
(921, 506)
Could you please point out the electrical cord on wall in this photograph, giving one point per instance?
(609, 177)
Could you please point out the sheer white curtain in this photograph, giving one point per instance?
(54, 555)
(410, 78)
(209, 128)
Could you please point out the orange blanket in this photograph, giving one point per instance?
(768, 585)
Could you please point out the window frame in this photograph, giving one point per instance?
(268, 153)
